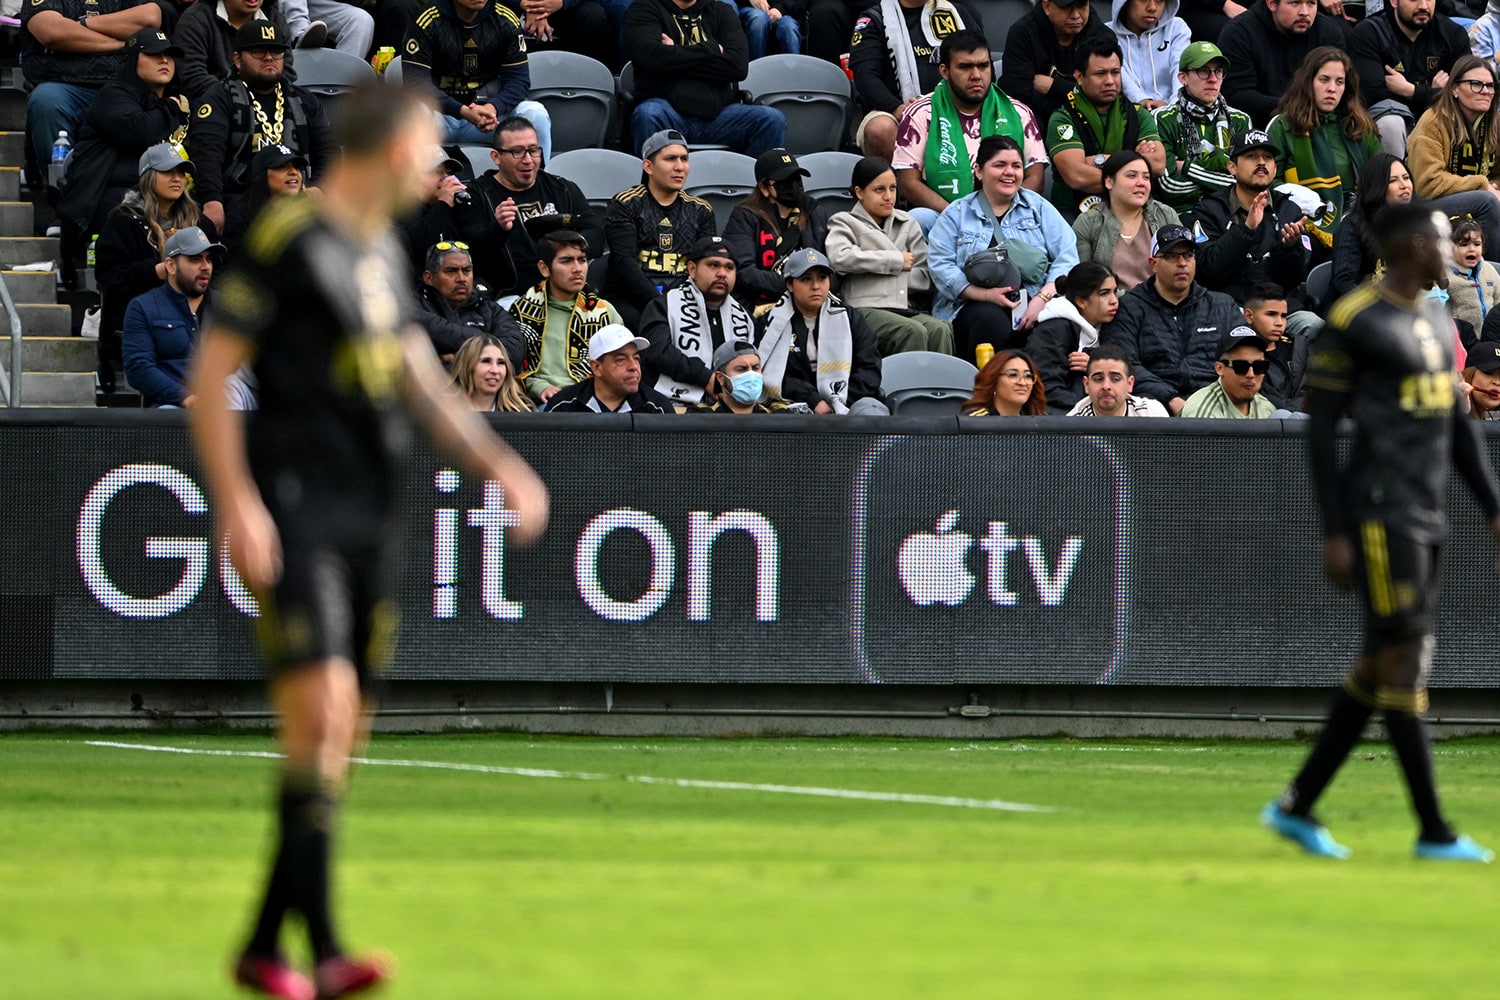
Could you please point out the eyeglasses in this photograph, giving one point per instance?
(1241, 366)
(445, 246)
(1209, 72)
(1173, 257)
(523, 152)
(1024, 374)
(1479, 86)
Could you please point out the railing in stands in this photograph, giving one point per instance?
(10, 382)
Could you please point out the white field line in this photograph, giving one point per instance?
(908, 798)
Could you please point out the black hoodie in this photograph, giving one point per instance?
(1262, 59)
(700, 72)
(1032, 49)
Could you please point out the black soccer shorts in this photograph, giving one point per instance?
(1398, 583)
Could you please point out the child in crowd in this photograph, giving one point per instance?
(1474, 288)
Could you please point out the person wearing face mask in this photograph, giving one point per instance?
(737, 385)
(775, 221)
(684, 327)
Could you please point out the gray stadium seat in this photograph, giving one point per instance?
(998, 16)
(815, 95)
(599, 173)
(1319, 281)
(393, 72)
(722, 179)
(479, 160)
(926, 383)
(579, 94)
(330, 75)
(829, 183)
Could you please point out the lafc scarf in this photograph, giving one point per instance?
(830, 349)
(1472, 155)
(688, 319)
(1113, 133)
(898, 40)
(1314, 167)
(589, 316)
(946, 167)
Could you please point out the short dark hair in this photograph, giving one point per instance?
(1264, 291)
(1100, 45)
(866, 170)
(1084, 280)
(1111, 352)
(964, 40)
(1398, 222)
(548, 246)
(991, 145)
(372, 114)
(515, 123)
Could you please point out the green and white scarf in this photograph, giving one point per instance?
(946, 167)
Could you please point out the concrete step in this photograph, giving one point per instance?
(57, 389)
(13, 147)
(44, 320)
(28, 249)
(58, 354)
(12, 111)
(16, 218)
(10, 183)
(31, 286)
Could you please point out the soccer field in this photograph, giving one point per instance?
(526, 867)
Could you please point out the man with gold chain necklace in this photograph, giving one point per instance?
(254, 109)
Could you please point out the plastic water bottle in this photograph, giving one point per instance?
(62, 147)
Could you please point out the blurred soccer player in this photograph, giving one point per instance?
(305, 488)
(1387, 358)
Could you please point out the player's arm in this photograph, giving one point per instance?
(1471, 459)
(461, 433)
(1329, 383)
(219, 433)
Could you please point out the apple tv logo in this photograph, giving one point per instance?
(933, 565)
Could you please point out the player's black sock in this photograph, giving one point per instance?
(1346, 720)
(1409, 738)
(308, 808)
(273, 907)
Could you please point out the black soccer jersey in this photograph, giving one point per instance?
(649, 242)
(1390, 364)
(323, 313)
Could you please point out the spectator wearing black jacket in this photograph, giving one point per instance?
(517, 190)
(776, 220)
(1041, 53)
(1206, 18)
(581, 26)
(689, 58)
(207, 33)
(1265, 45)
(446, 212)
(1171, 325)
(1403, 54)
(258, 107)
(1248, 232)
(889, 76)
(615, 383)
(457, 47)
(830, 24)
(1068, 329)
(275, 172)
(142, 107)
(452, 310)
(652, 226)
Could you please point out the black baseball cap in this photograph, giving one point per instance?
(710, 246)
(1169, 236)
(259, 33)
(276, 156)
(777, 165)
(1485, 356)
(153, 42)
(1250, 139)
(1240, 336)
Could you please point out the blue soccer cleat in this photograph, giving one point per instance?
(1462, 849)
(1307, 834)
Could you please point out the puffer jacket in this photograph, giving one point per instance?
(1149, 70)
(868, 256)
(1174, 346)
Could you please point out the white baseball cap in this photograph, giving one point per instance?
(613, 338)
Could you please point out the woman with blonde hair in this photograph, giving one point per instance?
(1454, 151)
(1323, 134)
(482, 374)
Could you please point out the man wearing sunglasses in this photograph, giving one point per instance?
(1196, 129)
(1242, 368)
(1403, 55)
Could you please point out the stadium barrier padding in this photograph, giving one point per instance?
(776, 550)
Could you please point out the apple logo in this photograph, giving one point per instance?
(931, 565)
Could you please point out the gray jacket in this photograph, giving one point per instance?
(1098, 229)
(867, 256)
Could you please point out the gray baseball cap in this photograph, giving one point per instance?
(163, 156)
(190, 242)
(803, 261)
(658, 141)
(731, 349)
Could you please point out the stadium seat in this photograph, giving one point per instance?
(829, 183)
(599, 173)
(926, 383)
(814, 94)
(330, 75)
(722, 179)
(1103, 10)
(579, 94)
(479, 160)
(393, 72)
(1319, 280)
(998, 16)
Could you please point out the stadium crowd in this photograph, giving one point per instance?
(1124, 221)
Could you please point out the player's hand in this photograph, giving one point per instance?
(505, 214)
(1257, 211)
(1338, 561)
(254, 544)
(1078, 361)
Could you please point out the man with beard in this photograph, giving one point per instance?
(1249, 233)
(1403, 54)
(208, 34)
(651, 226)
(257, 108)
(1196, 130)
(1265, 45)
(685, 326)
(161, 327)
(1109, 382)
(452, 310)
(1094, 121)
(1241, 368)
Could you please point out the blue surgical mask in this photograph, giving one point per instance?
(746, 387)
(1441, 294)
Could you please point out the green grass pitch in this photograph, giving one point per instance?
(130, 874)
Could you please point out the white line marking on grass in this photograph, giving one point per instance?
(908, 798)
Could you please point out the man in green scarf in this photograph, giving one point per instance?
(1094, 121)
(939, 133)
